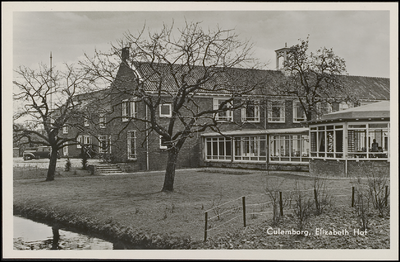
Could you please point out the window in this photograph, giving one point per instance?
(289, 148)
(131, 140)
(87, 140)
(102, 120)
(226, 114)
(79, 139)
(218, 148)
(368, 140)
(163, 145)
(276, 111)
(165, 110)
(129, 109)
(65, 129)
(85, 121)
(65, 149)
(327, 141)
(250, 148)
(298, 112)
(104, 144)
(251, 111)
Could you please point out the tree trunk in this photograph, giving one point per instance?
(170, 171)
(52, 166)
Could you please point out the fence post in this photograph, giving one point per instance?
(386, 196)
(316, 200)
(205, 226)
(352, 196)
(281, 203)
(244, 210)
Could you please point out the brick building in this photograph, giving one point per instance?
(269, 131)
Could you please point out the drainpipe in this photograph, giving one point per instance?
(147, 141)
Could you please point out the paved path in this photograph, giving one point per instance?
(44, 163)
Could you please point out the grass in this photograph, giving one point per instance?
(135, 201)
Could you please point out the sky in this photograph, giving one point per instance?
(361, 37)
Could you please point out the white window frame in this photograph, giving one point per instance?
(250, 148)
(87, 140)
(219, 155)
(102, 120)
(161, 145)
(228, 113)
(79, 139)
(65, 149)
(128, 109)
(368, 154)
(282, 148)
(65, 129)
(296, 118)
(170, 110)
(281, 111)
(85, 121)
(129, 144)
(256, 107)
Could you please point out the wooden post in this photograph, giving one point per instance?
(316, 200)
(205, 226)
(352, 197)
(386, 195)
(244, 210)
(281, 203)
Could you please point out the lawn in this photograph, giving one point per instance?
(134, 201)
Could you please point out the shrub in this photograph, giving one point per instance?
(377, 184)
(68, 165)
(302, 206)
(322, 199)
(272, 188)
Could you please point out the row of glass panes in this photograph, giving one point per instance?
(248, 148)
(289, 148)
(362, 140)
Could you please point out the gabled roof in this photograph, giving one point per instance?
(223, 80)
(369, 88)
(365, 88)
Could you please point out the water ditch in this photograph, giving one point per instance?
(31, 235)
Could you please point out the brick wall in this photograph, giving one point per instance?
(336, 168)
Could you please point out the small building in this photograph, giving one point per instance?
(351, 142)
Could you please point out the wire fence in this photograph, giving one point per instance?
(233, 213)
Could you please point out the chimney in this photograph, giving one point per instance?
(283, 52)
(125, 54)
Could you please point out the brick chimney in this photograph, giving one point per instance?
(125, 54)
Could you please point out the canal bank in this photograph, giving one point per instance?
(121, 237)
(31, 235)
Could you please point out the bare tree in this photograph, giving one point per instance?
(175, 66)
(48, 105)
(316, 79)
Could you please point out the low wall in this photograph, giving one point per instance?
(337, 168)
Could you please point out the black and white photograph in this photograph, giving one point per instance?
(178, 130)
